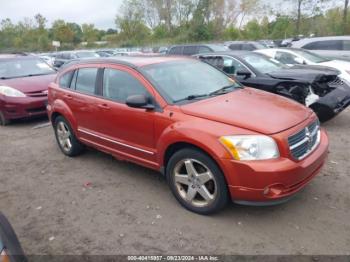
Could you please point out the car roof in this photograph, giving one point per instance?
(12, 55)
(283, 49)
(17, 57)
(305, 41)
(132, 61)
(229, 53)
(242, 42)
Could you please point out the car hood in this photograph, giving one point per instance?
(29, 84)
(308, 74)
(251, 109)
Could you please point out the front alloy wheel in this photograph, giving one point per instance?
(196, 181)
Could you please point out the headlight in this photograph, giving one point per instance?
(251, 147)
(9, 91)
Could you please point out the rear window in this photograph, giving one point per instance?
(86, 80)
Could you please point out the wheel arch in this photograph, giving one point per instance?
(174, 147)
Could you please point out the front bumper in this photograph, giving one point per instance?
(333, 103)
(22, 107)
(275, 180)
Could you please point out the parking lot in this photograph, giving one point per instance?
(94, 204)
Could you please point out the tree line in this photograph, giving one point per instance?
(164, 22)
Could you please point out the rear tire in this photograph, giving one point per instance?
(197, 182)
(66, 139)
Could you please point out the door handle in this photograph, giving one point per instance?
(103, 106)
(69, 97)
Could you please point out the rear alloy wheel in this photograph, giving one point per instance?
(66, 139)
(197, 182)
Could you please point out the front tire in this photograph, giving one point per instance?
(66, 139)
(3, 120)
(197, 182)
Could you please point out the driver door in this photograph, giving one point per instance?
(124, 130)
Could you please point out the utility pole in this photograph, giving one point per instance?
(345, 16)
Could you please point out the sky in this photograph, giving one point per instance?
(99, 12)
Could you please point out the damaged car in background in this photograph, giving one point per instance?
(319, 88)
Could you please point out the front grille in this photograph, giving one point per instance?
(305, 141)
(36, 110)
(37, 94)
(336, 82)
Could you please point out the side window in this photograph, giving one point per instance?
(231, 66)
(65, 56)
(324, 45)
(248, 47)
(203, 49)
(177, 50)
(86, 80)
(285, 58)
(346, 45)
(65, 80)
(74, 80)
(119, 85)
(190, 50)
(235, 47)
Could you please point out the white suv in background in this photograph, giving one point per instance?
(296, 56)
(333, 47)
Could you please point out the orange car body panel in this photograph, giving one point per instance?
(143, 136)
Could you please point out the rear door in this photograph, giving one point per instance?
(82, 99)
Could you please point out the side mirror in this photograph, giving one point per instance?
(139, 101)
(244, 73)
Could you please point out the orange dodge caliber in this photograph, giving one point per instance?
(212, 138)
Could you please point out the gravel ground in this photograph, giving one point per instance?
(94, 204)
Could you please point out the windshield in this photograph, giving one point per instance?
(185, 79)
(263, 63)
(24, 67)
(86, 54)
(311, 56)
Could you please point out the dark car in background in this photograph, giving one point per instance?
(189, 50)
(318, 88)
(63, 57)
(23, 86)
(245, 45)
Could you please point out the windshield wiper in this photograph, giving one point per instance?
(222, 91)
(191, 97)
